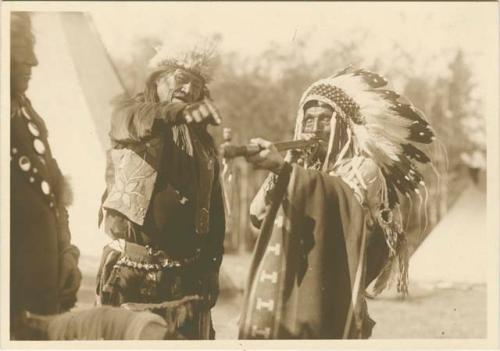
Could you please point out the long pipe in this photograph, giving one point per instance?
(232, 151)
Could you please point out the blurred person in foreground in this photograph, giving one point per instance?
(163, 204)
(44, 274)
(329, 216)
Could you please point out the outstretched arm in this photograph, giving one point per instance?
(133, 119)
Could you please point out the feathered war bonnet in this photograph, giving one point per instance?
(383, 134)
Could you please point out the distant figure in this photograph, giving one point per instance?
(44, 275)
(163, 206)
(329, 215)
(476, 163)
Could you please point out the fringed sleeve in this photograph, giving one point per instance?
(133, 119)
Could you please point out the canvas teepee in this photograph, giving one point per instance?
(456, 249)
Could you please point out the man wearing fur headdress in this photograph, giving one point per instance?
(44, 276)
(329, 215)
(163, 203)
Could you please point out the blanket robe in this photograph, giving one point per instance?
(313, 249)
(99, 323)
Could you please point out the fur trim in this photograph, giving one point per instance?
(198, 59)
(65, 191)
(175, 313)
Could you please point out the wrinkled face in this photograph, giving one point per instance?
(22, 60)
(316, 121)
(179, 86)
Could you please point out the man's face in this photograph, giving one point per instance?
(179, 86)
(316, 121)
(22, 60)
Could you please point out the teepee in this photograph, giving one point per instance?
(71, 88)
(456, 249)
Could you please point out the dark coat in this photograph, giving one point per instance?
(146, 170)
(39, 221)
(164, 195)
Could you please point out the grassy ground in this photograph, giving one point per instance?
(442, 313)
(430, 312)
(454, 312)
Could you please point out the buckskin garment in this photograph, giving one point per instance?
(165, 204)
(314, 240)
(39, 232)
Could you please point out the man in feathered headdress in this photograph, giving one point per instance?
(329, 216)
(163, 201)
(44, 274)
